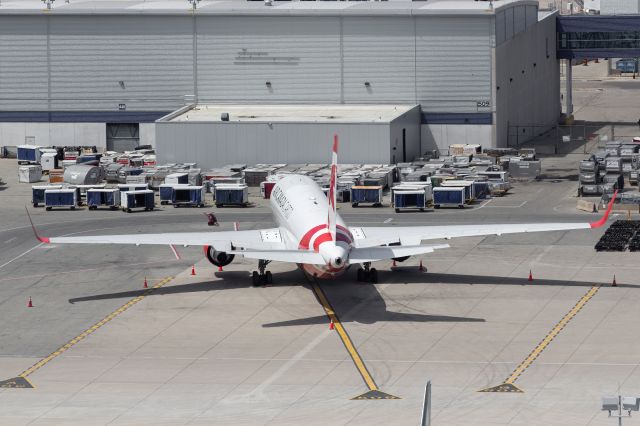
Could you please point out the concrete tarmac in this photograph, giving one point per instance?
(211, 349)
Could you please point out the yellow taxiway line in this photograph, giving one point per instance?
(374, 392)
(22, 382)
(508, 384)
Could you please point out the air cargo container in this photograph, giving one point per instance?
(60, 198)
(29, 174)
(366, 194)
(49, 161)
(132, 187)
(37, 193)
(144, 199)
(444, 196)
(82, 174)
(231, 194)
(107, 197)
(177, 178)
(29, 154)
(192, 196)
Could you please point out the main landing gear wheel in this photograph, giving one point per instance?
(368, 275)
(262, 277)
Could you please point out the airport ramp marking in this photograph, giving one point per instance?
(508, 385)
(373, 392)
(21, 380)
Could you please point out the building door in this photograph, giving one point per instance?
(404, 145)
(123, 136)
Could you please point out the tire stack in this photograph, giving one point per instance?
(620, 235)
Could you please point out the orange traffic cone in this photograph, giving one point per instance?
(30, 304)
(331, 325)
(530, 275)
(614, 284)
(219, 268)
(145, 283)
(421, 268)
(193, 269)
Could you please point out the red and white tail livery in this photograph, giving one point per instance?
(311, 233)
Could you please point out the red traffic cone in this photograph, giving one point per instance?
(193, 269)
(219, 268)
(331, 325)
(614, 284)
(30, 304)
(145, 283)
(530, 275)
(421, 268)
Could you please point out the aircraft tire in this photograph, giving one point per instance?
(360, 274)
(268, 278)
(373, 275)
(255, 279)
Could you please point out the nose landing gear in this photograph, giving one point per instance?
(368, 274)
(262, 277)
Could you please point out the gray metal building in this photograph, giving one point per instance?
(101, 73)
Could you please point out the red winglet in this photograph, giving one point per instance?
(604, 218)
(41, 239)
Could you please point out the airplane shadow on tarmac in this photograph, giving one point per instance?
(353, 301)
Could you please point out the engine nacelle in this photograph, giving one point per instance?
(218, 258)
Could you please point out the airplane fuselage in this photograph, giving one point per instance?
(300, 210)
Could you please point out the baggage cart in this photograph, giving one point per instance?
(481, 190)
(82, 190)
(190, 196)
(60, 198)
(143, 199)
(469, 194)
(444, 196)
(37, 193)
(29, 154)
(409, 199)
(166, 192)
(30, 174)
(366, 194)
(103, 197)
(231, 194)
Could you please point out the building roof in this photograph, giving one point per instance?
(241, 7)
(290, 113)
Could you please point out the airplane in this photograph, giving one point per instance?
(311, 233)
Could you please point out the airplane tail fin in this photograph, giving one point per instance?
(333, 184)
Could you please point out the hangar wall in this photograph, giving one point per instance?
(527, 83)
(215, 144)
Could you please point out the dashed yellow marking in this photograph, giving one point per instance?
(374, 392)
(38, 365)
(508, 384)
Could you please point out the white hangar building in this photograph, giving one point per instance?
(394, 79)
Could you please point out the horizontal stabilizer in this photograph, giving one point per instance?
(372, 254)
(294, 256)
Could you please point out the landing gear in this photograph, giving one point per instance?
(368, 274)
(262, 277)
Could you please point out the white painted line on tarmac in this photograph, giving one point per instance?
(11, 239)
(510, 207)
(388, 220)
(19, 256)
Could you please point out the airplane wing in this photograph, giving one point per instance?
(414, 235)
(255, 239)
(372, 254)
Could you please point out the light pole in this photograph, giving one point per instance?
(194, 3)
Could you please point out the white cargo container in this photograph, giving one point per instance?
(49, 161)
(30, 174)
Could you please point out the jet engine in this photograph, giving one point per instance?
(218, 258)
